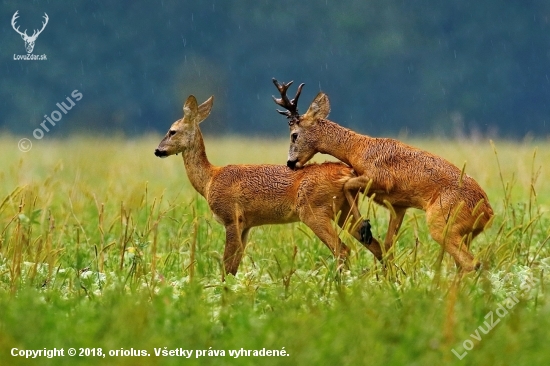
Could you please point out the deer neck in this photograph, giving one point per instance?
(199, 170)
(338, 141)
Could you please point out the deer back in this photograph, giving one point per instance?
(269, 194)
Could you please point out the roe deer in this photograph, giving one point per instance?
(244, 196)
(398, 175)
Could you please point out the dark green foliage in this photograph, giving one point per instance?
(450, 67)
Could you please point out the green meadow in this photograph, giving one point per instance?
(108, 250)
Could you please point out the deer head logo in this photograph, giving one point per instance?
(29, 40)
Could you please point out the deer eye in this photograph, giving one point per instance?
(171, 133)
(293, 137)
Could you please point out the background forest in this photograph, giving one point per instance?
(420, 68)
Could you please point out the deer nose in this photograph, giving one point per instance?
(291, 164)
(160, 153)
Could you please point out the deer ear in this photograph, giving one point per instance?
(319, 108)
(204, 109)
(190, 107)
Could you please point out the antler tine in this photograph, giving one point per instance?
(46, 18)
(295, 100)
(282, 88)
(13, 20)
(290, 105)
(284, 113)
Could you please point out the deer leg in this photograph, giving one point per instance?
(320, 223)
(351, 189)
(456, 246)
(450, 237)
(394, 225)
(234, 249)
(374, 246)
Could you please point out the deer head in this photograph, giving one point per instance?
(304, 138)
(181, 134)
(29, 40)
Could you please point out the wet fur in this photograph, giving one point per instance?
(244, 196)
(400, 176)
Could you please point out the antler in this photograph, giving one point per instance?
(291, 106)
(43, 26)
(24, 34)
(13, 19)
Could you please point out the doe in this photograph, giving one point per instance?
(244, 196)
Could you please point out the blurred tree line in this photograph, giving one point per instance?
(416, 67)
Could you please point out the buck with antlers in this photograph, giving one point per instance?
(244, 196)
(397, 175)
(29, 40)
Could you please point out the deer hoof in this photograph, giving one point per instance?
(365, 233)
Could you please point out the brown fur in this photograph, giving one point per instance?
(244, 196)
(400, 176)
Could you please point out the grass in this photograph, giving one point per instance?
(105, 246)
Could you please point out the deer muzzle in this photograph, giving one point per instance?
(292, 164)
(161, 153)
